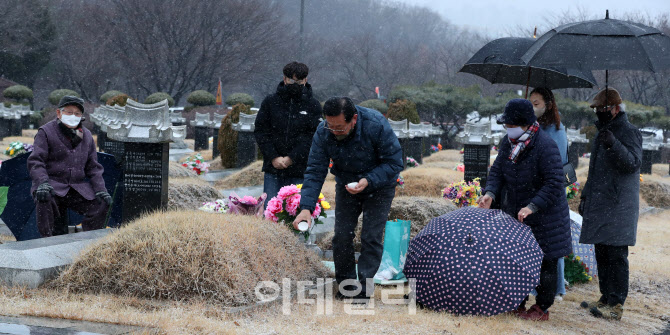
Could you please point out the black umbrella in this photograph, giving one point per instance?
(606, 44)
(499, 62)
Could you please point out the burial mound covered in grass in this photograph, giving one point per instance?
(191, 255)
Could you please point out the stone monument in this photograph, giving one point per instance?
(477, 140)
(145, 132)
(216, 125)
(576, 146)
(651, 151)
(416, 142)
(247, 150)
(402, 132)
(201, 130)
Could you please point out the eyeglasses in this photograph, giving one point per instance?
(602, 109)
(327, 127)
(299, 81)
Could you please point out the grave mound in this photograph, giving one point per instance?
(191, 255)
(655, 191)
(190, 193)
(176, 170)
(251, 175)
(419, 210)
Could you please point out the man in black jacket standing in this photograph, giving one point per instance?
(610, 201)
(284, 128)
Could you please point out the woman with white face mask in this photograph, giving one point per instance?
(546, 111)
(526, 179)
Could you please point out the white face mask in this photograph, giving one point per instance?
(539, 111)
(515, 132)
(70, 120)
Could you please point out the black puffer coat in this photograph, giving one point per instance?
(285, 126)
(536, 177)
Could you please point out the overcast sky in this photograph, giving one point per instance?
(494, 16)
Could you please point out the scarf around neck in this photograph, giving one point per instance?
(519, 145)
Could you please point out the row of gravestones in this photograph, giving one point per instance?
(204, 127)
(477, 140)
(14, 119)
(415, 139)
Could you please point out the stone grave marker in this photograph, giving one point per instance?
(477, 141)
(145, 133)
(402, 132)
(201, 130)
(216, 125)
(416, 142)
(651, 151)
(576, 146)
(247, 150)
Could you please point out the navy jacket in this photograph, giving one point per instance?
(372, 152)
(284, 127)
(537, 177)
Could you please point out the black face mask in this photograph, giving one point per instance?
(604, 117)
(294, 90)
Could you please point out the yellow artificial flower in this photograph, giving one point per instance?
(299, 186)
(641, 178)
(325, 204)
(577, 257)
(321, 196)
(11, 152)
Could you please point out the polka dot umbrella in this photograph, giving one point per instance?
(474, 261)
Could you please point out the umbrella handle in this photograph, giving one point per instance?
(530, 69)
(111, 204)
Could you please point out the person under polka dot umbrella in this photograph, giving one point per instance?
(474, 261)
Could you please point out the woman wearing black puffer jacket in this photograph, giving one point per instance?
(527, 180)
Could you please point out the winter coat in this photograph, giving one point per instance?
(536, 178)
(56, 161)
(372, 152)
(284, 127)
(612, 190)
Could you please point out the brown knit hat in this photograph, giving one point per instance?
(613, 98)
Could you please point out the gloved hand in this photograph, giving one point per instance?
(104, 196)
(44, 192)
(607, 138)
(580, 209)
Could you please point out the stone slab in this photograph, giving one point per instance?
(176, 154)
(40, 325)
(213, 176)
(31, 263)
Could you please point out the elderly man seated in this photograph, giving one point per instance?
(65, 172)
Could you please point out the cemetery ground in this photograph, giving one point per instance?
(184, 235)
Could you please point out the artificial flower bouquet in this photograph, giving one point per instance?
(575, 270)
(16, 148)
(286, 206)
(572, 191)
(197, 164)
(400, 181)
(434, 148)
(216, 206)
(463, 193)
(411, 162)
(246, 205)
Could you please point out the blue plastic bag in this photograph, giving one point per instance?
(396, 244)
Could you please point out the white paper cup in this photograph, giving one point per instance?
(303, 226)
(352, 185)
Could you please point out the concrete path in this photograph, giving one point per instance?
(39, 326)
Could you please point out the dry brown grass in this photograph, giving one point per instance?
(655, 191)
(176, 170)
(251, 175)
(190, 193)
(444, 156)
(215, 164)
(659, 169)
(328, 191)
(646, 307)
(427, 181)
(190, 254)
(7, 238)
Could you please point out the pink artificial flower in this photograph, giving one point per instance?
(287, 191)
(461, 168)
(249, 200)
(317, 211)
(292, 204)
(274, 207)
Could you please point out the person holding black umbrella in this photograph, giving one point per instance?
(610, 201)
(65, 171)
(546, 111)
(527, 179)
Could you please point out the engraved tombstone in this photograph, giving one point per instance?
(216, 125)
(416, 142)
(650, 150)
(201, 131)
(402, 133)
(246, 142)
(145, 132)
(477, 141)
(576, 146)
